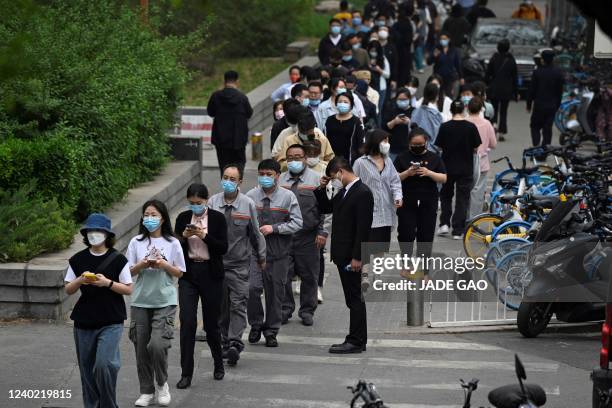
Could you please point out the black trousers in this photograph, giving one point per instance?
(542, 119)
(321, 267)
(463, 184)
(416, 219)
(210, 290)
(351, 286)
(226, 155)
(501, 112)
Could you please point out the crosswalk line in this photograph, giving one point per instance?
(396, 362)
(289, 403)
(393, 343)
(296, 379)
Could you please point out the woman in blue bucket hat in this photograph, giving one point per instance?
(103, 276)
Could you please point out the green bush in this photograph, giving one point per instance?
(32, 224)
(87, 116)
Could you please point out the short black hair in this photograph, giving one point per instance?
(269, 164)
(344, 5)
(335, 20)
(417, 131)
(289, 103)
(198, 190)
(345, 46)
(316, 84)
(457, 107)
(476, 104)
(466, 88)
(294, 113)
(334, 82)
(403, 91)
(236, 166)
(350, 79)
(230, 76)
(373, 139)
(338, 163)
(291, 68)
(296, 146)
(350, 97)
(430, 93)
(479, 88)
(298, 89)
(306, 121)
(310, 73)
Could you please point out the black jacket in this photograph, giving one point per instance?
(501, 77)
(231, 111)
(546, 90)
(402, 34)
(351, 223)
(216, 239)
(458, 28)
(325, 48)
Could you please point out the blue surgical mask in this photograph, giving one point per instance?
(151, 223)
(336, 30)
(466, 100)
(343, 107)
(403, 104)
(295, 167)
(356, 46)
(380, 23)
(229, 186)
(265, 181)
(198, 208)
(364, 29)
(357, 21)
(444, 43)
(305, 102)
(340, 91)
(314, 102)
(347, 58)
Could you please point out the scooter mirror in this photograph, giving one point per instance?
(520, 369)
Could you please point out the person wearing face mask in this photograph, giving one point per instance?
(457, 26)
(348, 61)
(156, 260)
(244, 238)
(422, 31)
(328, 108)
(420, 171)
(390, 52)
(458, 140)
(308, 241)
(292, 115)
(97, 336)
(331, 41)
(427, 116)
(315, 93)
(528, 11)
(280, 120)
(397, 122)
(361, 91)
(403, 34)
(279, 216)
(375, 169)
(351, 209)
(371, 93)
(380, 70)
(203, 238)
(359, 54)
(294, 77)
(446, 60)
(502, 74)
(443, 103)
(465, 95)
(345, 130)
(300, 93)
(357, 25)
(307, 130)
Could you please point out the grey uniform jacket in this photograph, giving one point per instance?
(307, 181)
(242, 229)
(284, 216)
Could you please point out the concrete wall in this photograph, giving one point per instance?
(36, 289)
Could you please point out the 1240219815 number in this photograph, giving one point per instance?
(40, 394)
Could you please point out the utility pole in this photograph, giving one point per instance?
(144, 10)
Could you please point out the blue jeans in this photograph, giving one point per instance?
(99, 362)
(419, 57)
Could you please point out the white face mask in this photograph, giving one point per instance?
(383, 35)
(96, 238)
(384, 148)
(312, 161)
(412, 91)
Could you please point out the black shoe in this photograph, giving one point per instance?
(363, 348)
(285, 320)
(219, 372)
(185, 382)
(346, 348)
(501, 138)
(224, 353)
(254, 336)
(307, 320)
(271, 341)
(233, 355)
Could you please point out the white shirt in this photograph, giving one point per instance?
(348, 186)
(125, 276)
(335, 40)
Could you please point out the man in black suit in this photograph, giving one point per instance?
(352, 211)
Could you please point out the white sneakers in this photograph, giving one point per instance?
(145, 400)
(163, 395)
(456, 237)
(443, 230)
(319, 296)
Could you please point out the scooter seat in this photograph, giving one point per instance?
(508, 199)
(545, 202)
(509, 396)
(508, 183)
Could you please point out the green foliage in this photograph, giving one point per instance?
(32, 225)
(87, 116)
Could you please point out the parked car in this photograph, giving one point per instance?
(526, 39)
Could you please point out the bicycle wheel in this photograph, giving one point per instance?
(511, 229)
(514, 276)
(495, 206)
(496, 252)
(478, 232)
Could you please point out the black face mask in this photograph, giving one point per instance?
(418, 149)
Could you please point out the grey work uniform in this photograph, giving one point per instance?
(243, 238)
(304, 256)
(282, 211)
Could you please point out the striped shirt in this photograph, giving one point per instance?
(385, 185)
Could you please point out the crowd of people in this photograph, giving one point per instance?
(355, 154)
